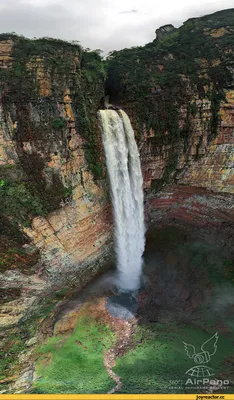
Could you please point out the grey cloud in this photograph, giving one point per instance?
(96, 24)
(52, 20)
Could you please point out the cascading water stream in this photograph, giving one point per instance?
(124, 170)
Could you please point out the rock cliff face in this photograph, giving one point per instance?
(55, 214)
(179, 93)
(56, 223)
(163, 31)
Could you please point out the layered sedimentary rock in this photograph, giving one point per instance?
(55, 215)
(202, 192)
(179, 93)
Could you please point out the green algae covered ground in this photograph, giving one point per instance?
(74, 364)
(189, 299)
(158, 362)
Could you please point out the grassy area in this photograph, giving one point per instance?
(159, 359)
(74, 364)
(156, 363)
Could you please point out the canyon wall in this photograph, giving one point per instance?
(179, 93)
(55, 214)
(56, 225)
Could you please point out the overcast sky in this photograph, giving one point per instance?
(101, 24)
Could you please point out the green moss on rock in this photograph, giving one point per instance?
(74, 363)
(18, 199)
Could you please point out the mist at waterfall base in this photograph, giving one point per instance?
(125, 176)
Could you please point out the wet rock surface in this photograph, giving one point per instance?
(123, 306)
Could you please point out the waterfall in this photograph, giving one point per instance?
(124, 170)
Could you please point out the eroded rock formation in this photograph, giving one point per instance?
(179, 94)
(54, 202)
(56, 224)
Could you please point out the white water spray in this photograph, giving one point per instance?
(124, 169)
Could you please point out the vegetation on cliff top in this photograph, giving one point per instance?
(155, 81)
(41, 72)
(195, 51)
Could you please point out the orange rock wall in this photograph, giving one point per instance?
(75, 239)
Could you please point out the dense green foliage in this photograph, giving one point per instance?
(132, 72)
